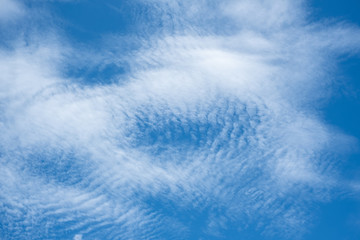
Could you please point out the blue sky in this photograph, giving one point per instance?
(156, 119)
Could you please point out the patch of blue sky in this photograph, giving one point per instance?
(96, 75)
(339, 219)
(181, 132)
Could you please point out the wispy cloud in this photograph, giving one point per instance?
(207, 119)
(10, 10)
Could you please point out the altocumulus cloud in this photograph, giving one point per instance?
(212, 128)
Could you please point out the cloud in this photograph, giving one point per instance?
(78, 237)
(204, 122)
(10, 10)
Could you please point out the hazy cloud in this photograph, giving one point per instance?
(211, 120)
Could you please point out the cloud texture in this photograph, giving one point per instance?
(212, 127)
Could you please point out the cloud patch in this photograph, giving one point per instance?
(209, 127)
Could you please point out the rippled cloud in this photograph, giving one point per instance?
(208, 126)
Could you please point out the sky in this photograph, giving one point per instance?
(159, 119)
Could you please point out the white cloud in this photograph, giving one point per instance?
(78, 237)
(211, 120)
(10, 10)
